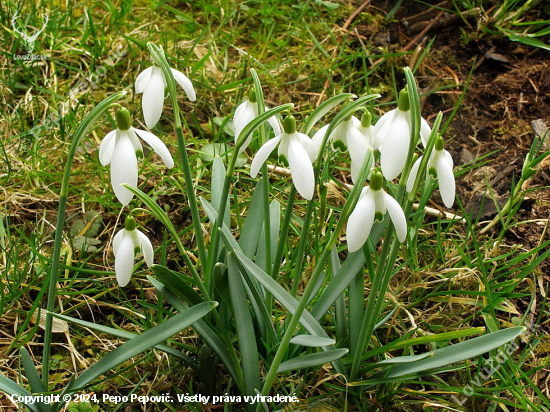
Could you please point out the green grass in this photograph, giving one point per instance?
(455, 279)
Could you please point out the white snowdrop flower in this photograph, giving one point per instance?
(372, 206)
(392, 134)
(126, 243)
(121, 147)
(295, 148)
(441, 165)
(245, 113)
(151, 83)
(346, 136)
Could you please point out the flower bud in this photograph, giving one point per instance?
(123, 119)
(289, 124)
(403, 103)
(376, 180)
(130, 224)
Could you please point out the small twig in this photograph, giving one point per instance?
(346, 26)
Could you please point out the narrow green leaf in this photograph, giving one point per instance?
(218, 180)
(250, 234)
(453, 353)
(245, 329)
(34, 378)
(204, 330)
(143, 342)
(126, 335)
(338, 284)
(404, 359)
(286, 299)
(324, 108)
(177, 284)
(312, 341)
(11, 388)
(31, 373)
(311, 360)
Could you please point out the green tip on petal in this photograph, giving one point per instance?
(403, 103)
(252, 96)
(283, 160)
(366, 119)
(338, 144)
(123, 119)
(139, 154)
(432, 172)
(438, 143)
(130, 224)
(289, 124)
(376, 180)
(378, 217)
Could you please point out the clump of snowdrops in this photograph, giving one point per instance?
(233, 294)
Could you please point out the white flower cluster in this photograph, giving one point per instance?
(121, 148)
(390, 136)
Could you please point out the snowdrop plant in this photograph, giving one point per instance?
(393, 132)
(121, 148)
(246, 272)
(126, 243)
(152, 83)
(440, 165)
(372, 206)
(297, 150)
(348, 136)
(245, 113)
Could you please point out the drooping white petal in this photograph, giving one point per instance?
(124, 169)
(413, 173)
(397, 217)
(239, 108)
(449, 159)
(425, 131)
(275, 125)
(158, 146)
(360, 222)
(395, 147)
(317, 139)
(146, 248)
(307, 144)
(446, 180)
(381, 128)
(245, 116)
(153, 98)
(117, 239)
(185, 83)
(134, 139)
(263, 154)
(124, 261)
(107, 147)
(143, 79)
(357, 146)
(301, 169)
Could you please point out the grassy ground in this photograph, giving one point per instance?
(304, 52)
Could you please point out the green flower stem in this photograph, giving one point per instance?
(320, 264)
(376, 297)
(80, 132)
(160, 59)
(297, 272)
(284, 233)
(260, 102)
